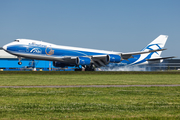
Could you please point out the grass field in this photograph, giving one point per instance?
(88, 78)
(89, 103)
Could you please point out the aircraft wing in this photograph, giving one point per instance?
(101, 60)
(126, 56)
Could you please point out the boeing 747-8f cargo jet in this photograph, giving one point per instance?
(64, 56)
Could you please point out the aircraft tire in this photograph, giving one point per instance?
(19, 63)
(89, 68)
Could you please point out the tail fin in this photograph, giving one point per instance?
(158, 43)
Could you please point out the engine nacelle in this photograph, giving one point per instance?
(113, 58)
(59, 64)
(83, 61)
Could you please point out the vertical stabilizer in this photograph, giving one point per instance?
(158, 43)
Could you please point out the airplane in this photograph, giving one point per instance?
(89, 59)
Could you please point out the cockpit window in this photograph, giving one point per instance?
(16, 40)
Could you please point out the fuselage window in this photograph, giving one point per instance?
(16, 40)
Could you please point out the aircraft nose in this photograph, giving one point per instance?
(5, 47)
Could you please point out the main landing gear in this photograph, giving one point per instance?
(86, 68)
(90, 68)
(19, 63)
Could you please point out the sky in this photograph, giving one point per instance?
(114, 25)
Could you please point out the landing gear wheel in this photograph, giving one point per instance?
(90, 68)
(19, 63)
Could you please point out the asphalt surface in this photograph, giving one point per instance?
(101, 86)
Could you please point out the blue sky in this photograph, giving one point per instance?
(115, 25)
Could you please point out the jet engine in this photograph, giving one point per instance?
(113, 58)
(83, 61)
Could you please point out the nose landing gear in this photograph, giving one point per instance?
(19, 63)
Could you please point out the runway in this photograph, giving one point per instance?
(86, 86)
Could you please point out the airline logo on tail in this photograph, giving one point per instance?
(152, 46)
(158, 43)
